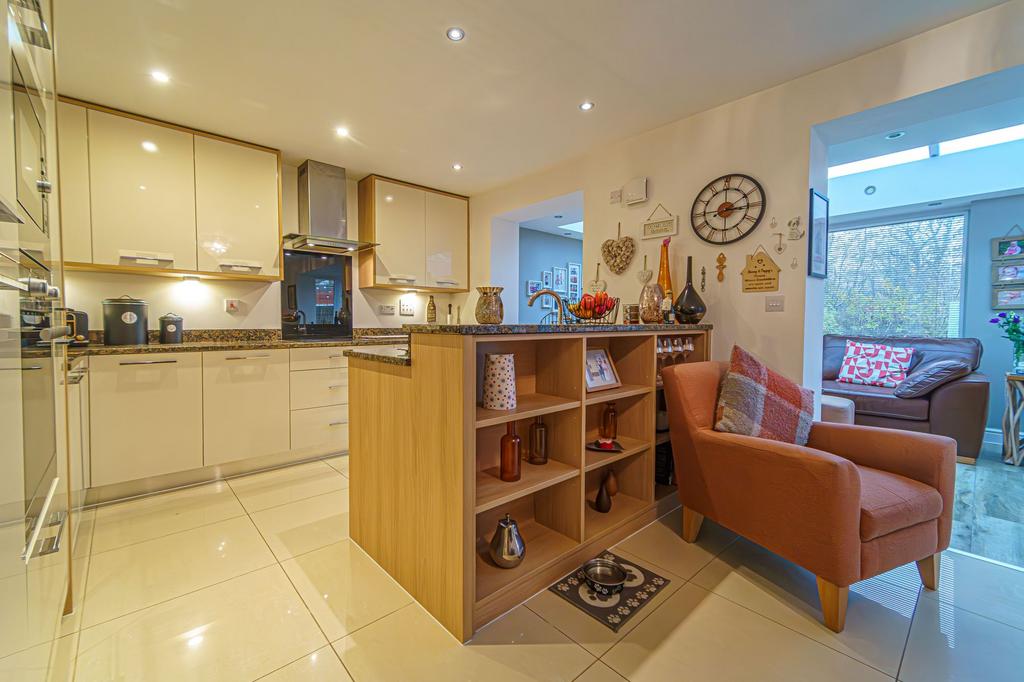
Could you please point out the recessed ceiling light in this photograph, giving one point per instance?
(935, 203)
(586, 105)
(896, 135)
(160, 76)
(558, 217)
(341, 131)
(870, 189)
(567, 234)
(456, 167)
(389, 198)
(455, 34)
(149, 146)
(142, 187)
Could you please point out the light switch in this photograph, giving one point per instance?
(232, 305)
(774, 304)
(386, 309)
(405, 308)
(615, 197)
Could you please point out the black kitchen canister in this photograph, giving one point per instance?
(170, 328)
(125, 321)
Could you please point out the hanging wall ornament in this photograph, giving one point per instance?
(618, 253)
(597, 284)
(720, 267)
(795, 231)
(645, 275)
(761, 274)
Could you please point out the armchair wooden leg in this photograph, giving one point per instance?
(929, 570)
(691, 524)
(833, 604)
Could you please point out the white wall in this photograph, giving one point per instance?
(766, 135)
(202, 303)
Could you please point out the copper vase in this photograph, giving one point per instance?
(510, 469)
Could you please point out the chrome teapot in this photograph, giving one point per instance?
(507, 549)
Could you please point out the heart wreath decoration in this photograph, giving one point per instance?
(618, 253)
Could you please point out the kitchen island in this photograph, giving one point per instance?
(425, 495)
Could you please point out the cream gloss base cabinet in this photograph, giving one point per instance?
(146, 415)
(319, 400)
(245, 404)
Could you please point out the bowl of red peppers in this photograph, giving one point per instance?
(599, 308)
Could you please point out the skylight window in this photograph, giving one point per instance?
(992, 137)
(876, 162)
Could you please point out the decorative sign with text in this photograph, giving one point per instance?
(659, 228)
(761, 273)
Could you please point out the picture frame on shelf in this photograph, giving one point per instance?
(559, 277)
(817, 236)
(532, 286)
(1007, 247)
(599, 371)
(1008, 298)
(546, 277)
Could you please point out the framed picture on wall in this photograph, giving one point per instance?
(574, 292)
(1008, 272)
(1008, 298)
(532, 286)
(546, 278)
(817, 237)
(575, 274)
(1007, 247)
(559, 275)
(547, 303)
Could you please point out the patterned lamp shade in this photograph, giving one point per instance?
(500, 381)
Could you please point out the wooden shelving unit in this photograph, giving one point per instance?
(630, 446)
(624, 507)
(618, 393)
(493, 492)
(527, 405)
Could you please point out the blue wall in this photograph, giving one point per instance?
(539, 251)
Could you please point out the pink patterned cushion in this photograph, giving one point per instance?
(875, 364)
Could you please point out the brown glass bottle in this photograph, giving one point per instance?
(609, 422)
(538, 442)
(510, 445)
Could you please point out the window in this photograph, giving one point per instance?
(897, 279)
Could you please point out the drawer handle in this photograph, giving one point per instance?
(248, 357)
(334, 386)
(335, 357)
(150, 362)
(337, 423)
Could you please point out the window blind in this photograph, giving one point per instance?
(897, 279)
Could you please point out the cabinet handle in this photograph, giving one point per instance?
(6, 283)
(335, 357)
(44, 186)
(402, 278)
(150, 362)
(447, 282)
(337, 423)
(248, 357)
(334, 386)
(30, 546)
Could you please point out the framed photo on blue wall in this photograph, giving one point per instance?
(817, 236)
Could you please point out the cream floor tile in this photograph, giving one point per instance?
(947, 643)
(320, 666)
(344, 588)
(300, 527)
(599, 672)
(23, 625)
(711, 638)
(410, 645)
(48, 662)
(236, 630)
(662, 545)
(587, 632)
(290, 484)
(988, 589)
(339, 463)
(878, 614)
(146, 573)
(151, 517)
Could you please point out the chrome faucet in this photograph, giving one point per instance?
(558, 301)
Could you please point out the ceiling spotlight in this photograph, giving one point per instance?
(341, 131)
(896, 135)
(456, 167)
(160, 76)
(149, 146)
(558, 217)
(586, 105)
(455, 34)
(389, 198)
(870, 189)
(567, 234)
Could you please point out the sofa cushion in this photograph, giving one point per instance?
(874, 364)
(925, 350)
(755, 401)
(878, 401)
(889, 502)
(930, 375)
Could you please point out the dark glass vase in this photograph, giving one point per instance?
(689, 307)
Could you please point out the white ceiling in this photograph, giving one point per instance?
(503, 102)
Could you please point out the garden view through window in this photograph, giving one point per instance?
(896, 279)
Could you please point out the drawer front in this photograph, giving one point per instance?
(320, 428)
(319, 388)
(318, 358)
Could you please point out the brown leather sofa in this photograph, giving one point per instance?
(957, 409)
(855, 502)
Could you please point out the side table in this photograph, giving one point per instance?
(1013, 448)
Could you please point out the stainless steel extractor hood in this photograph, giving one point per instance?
(323, 220)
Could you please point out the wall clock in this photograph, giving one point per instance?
(728, 209)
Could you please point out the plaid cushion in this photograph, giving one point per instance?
(755, 401)
(875, 364)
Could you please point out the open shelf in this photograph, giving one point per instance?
(617, 393)
(594, 459)
(543, 545)
(623, 507)
(492, 492)
(527, 405)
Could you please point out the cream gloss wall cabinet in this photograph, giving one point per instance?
(319, 403)
(245, 404)
(146, 413)
(142, 190)
(422, 236)
(73, 156)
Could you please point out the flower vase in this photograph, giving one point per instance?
(689, 307)
(1018, 358)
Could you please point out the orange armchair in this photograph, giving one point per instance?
(854, 502)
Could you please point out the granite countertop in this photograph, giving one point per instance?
(252, 344)
(491, 329)
(392, 355)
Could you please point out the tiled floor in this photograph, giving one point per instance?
(989, 513)
(257, 579)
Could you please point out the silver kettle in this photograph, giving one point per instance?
(507, 549)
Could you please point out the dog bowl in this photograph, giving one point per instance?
(604, 577)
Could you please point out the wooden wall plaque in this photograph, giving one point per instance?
(761, 274)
